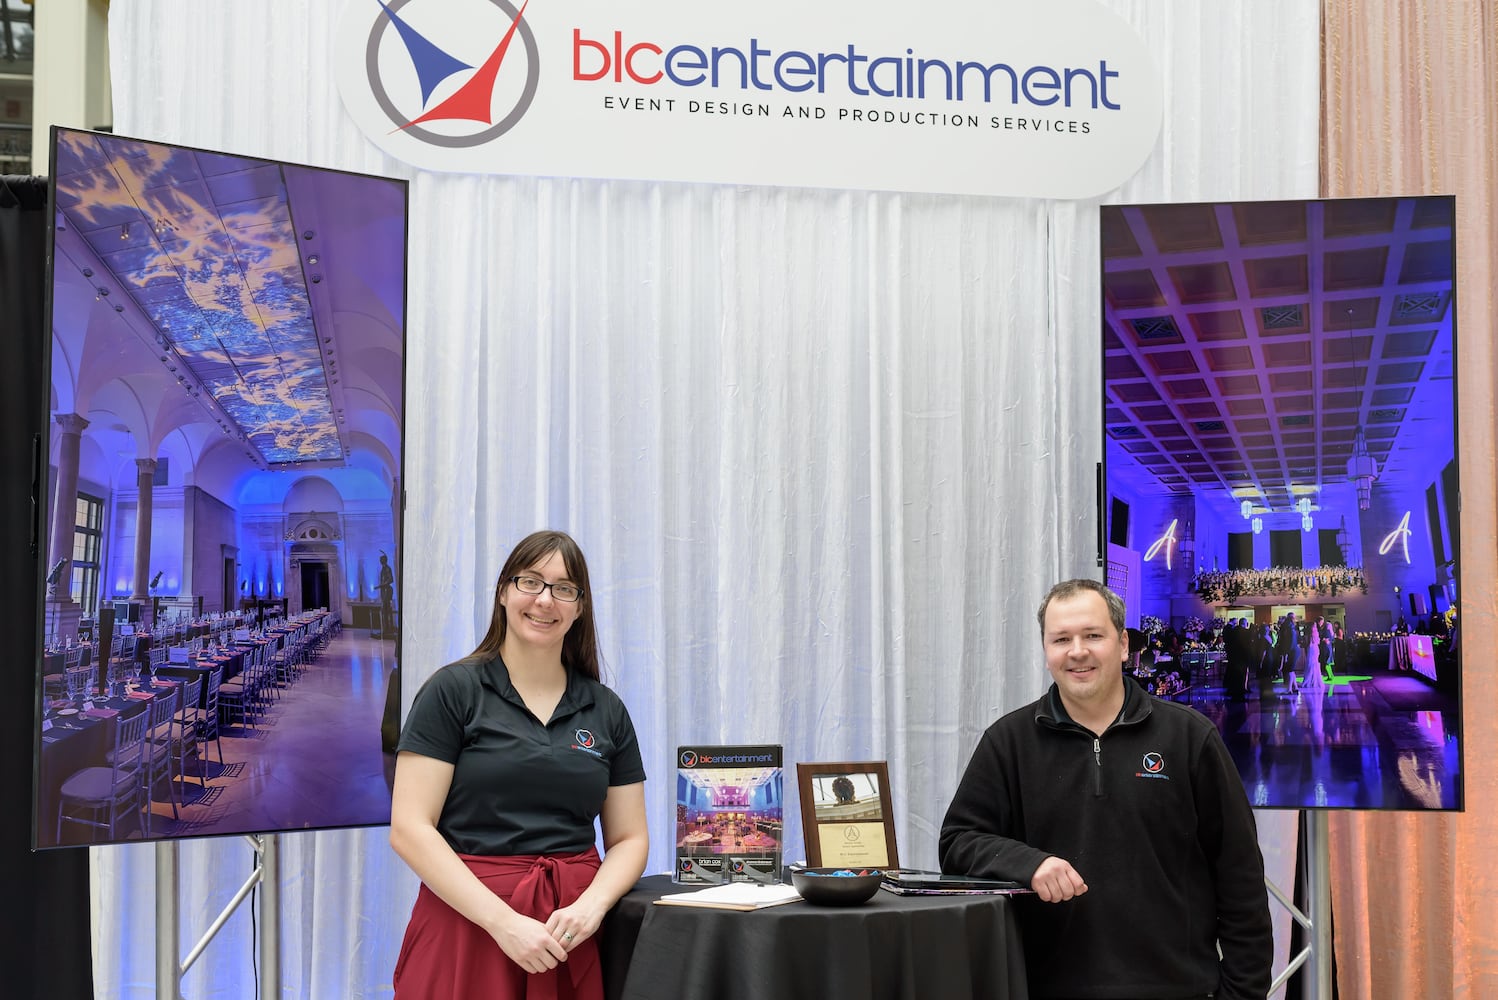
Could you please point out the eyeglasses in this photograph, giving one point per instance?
(567, 592)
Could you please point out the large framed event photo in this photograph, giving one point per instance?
(847, 817)
(1281, 488)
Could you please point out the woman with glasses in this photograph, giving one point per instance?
(506, 759)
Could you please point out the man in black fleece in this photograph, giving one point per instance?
(1100, 777)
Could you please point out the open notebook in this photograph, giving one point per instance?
(735, 896)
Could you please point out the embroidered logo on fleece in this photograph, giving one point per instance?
(1153, 765)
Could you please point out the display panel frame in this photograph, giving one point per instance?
(227, 365)
(1258, 359)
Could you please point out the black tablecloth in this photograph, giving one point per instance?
(135, 647)
(73, 743)
(231, 663)
(891, 948)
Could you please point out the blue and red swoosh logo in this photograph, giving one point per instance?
(402, 61)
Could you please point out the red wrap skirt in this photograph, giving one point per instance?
(446, 956)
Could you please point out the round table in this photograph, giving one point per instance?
(890, 948)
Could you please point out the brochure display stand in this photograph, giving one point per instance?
(729, 814)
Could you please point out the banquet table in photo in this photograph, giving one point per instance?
(1413, 652)
(78, 735)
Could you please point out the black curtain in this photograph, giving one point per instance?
(44, 952)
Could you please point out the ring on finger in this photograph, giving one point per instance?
(566, 935)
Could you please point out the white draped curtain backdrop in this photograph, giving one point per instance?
(824, 450)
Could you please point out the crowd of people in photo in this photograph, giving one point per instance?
(1250, 656)
(1247, 658)
(1301, 654)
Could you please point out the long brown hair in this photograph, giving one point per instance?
(580, 644)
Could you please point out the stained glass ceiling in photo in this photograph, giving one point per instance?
(206, 246)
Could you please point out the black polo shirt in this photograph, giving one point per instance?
(520, 787)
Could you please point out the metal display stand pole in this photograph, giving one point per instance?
(1319, 891)
(168, 978)
(1315, 855)
(267, 873)
(270, 916)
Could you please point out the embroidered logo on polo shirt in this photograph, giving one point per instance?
(1153, 765)
(584, 742)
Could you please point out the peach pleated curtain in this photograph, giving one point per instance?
(1410, 106)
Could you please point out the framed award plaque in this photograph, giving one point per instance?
(846, 816)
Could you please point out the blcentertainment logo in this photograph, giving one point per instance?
(451, 81)
(1058, 100)
(1153, 766)
(693, 758)
(583, 740)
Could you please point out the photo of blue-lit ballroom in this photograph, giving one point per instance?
(1282, 486)
(223, 491)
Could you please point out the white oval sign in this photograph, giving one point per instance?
(1036, 100)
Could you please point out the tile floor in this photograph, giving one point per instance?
(314, 761)
(1379, 740)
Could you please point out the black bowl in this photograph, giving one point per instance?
(825, 888)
